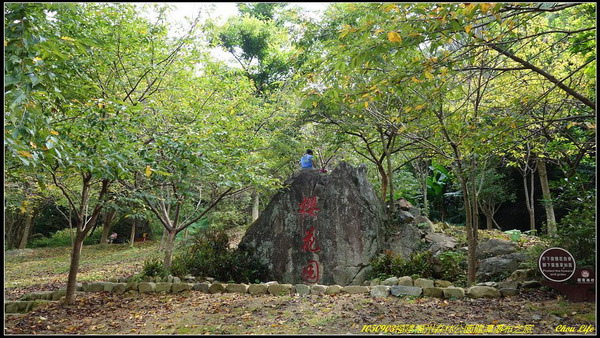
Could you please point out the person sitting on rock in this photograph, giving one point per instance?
(306, 162)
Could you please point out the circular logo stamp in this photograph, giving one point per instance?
(585, 273)
(557, 264)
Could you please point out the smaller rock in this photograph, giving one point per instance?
(180, 287)
(490, 284)
(146, 287)
(390, 281)
(433, 292)
(302, 289)
(108, 286)
(402, 290)
(404, 204)
(522, 275)
(56, 295)
(424, 283)
(202, 287)
(508, 285)
(333, 290)
(380, 291)
(36, 304)
(453, 292)
(163, 287)
(120, 288)
(132, 286)
(405, 280)
(355, 289)
(96, 287)
(508, 292)
(536, 317)
(176, 280)
(209, 279)
(483, 292)
(113, 280)
(217, 288)
(375, 282)
(257, 289)
(236, 288)
(318, 289)
(531, 284)
(280, 289)
(442, 283)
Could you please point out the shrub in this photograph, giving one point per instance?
(390, 264)
(209, 255)
(62, 238)
(453, 266)
(577, 233)
(154, 267)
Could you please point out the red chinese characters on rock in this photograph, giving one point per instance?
(310, 243)
(310, 273)
(308, 206)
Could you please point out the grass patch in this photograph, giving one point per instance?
(98, 262)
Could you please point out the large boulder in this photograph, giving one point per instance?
(499, 267)
(405, 240)
(495, 247)
(322, 228)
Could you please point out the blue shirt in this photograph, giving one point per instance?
(306, 161)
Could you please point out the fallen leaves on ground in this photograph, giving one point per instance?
(198, 313)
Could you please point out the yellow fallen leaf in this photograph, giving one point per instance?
(468, 28)
(53, 132)
(25, 153)
(148, 171)
(394, 37)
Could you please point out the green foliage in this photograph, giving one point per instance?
(390, 264)
(453, 266)
(62, 238)
(230, 218)
(154, 267)
(209, 255)
(577, 232)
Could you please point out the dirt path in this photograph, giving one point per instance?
(198, 313)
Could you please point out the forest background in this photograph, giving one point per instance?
(481, 114)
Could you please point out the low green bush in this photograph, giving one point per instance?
(62, 238)
(454, 266)
(209, 255)
(154, 267)
(390, 264)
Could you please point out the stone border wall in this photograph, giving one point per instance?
(391, 287)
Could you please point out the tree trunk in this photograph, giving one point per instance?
(255, 205)
(108, 218)
(384, 183)
(27, 229)
(169, 245)
(489, 221)
(163, 239)
(425, 201)
(132, 235)
(390, 178)
(548, 205)
(471, 240)
(74, 267)
(529, 201)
